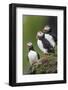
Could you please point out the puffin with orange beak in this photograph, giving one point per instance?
(43, 44)
(33, 56)
(49, 35)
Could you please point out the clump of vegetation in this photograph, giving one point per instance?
(44, 66)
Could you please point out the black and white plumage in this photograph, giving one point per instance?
(44, 43)
(33, 56)
(50, 39)
(48, 31)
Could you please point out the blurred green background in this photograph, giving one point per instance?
(31, 25)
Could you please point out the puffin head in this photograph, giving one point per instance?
(40, 34)
(29, 44)
(46, 29)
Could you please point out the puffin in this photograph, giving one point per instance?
(33, 56)
(43, 43)
(48, 30)
(49, 36)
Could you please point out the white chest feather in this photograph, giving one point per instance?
(50, 39)
(40, 45)
(32, 55)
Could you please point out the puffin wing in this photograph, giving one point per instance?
(54, 37)
(38, 55)
(50, 39)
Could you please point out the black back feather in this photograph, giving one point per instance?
(46, 43)
(38, 55)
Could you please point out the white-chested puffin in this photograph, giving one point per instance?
(49, 35)
(43, 44)
(33, 56)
